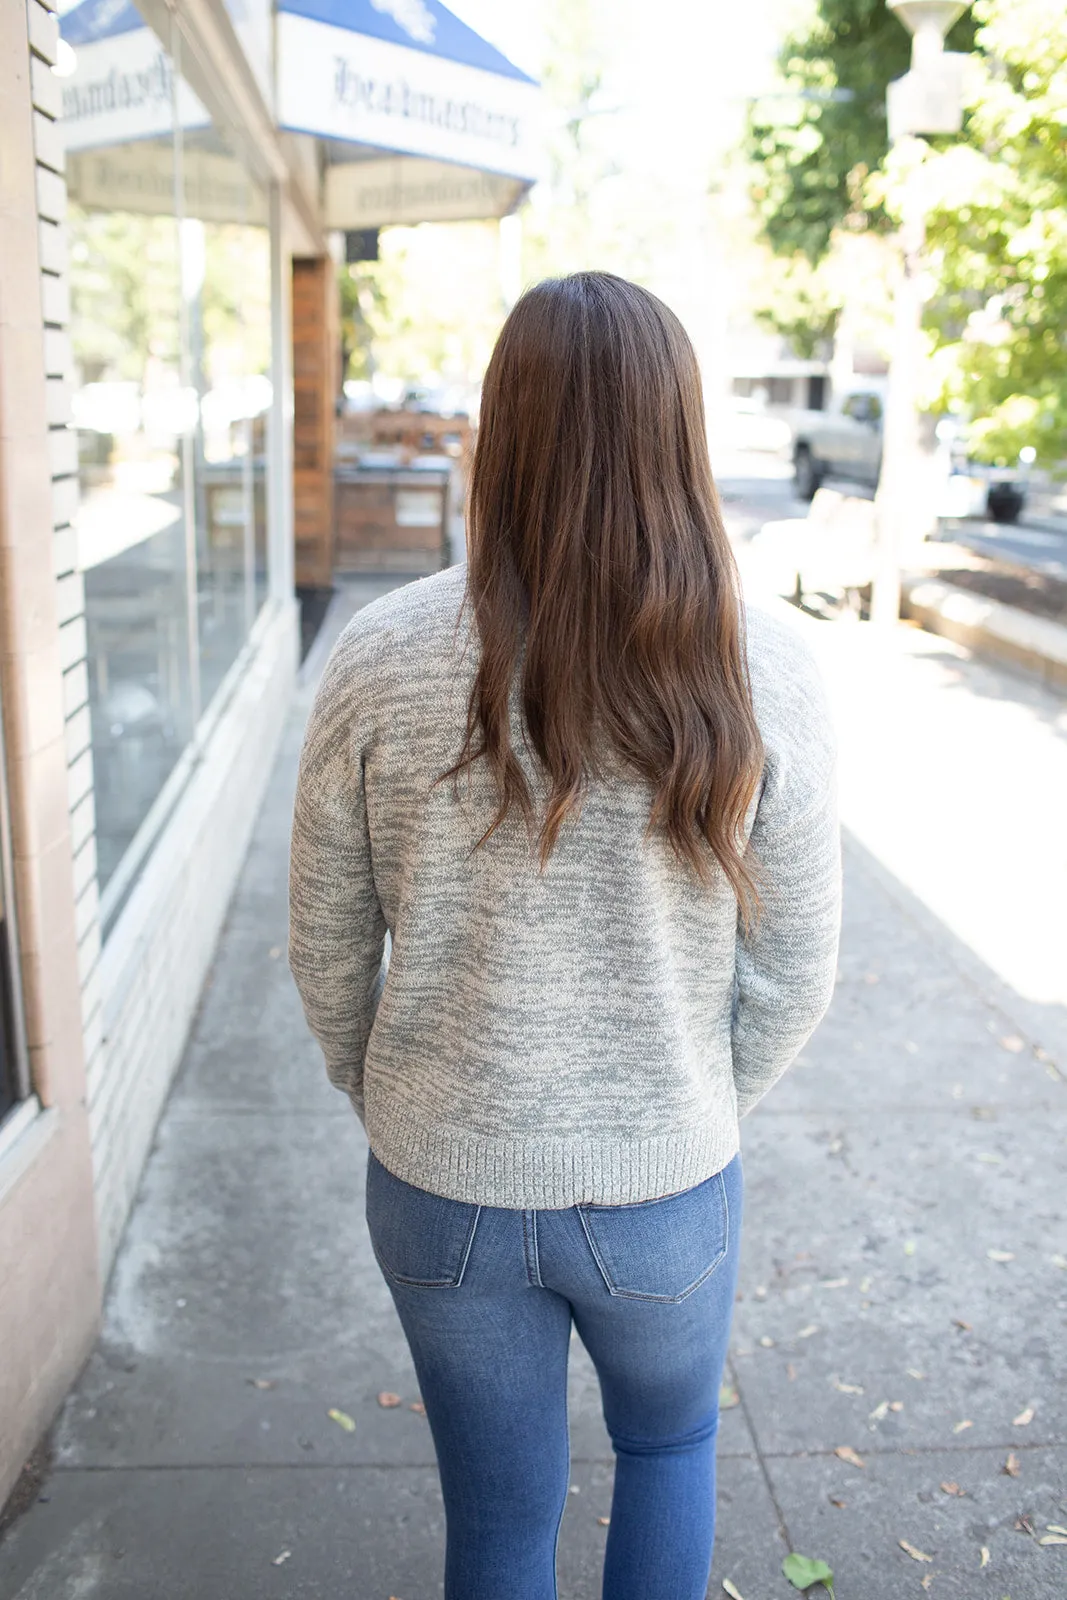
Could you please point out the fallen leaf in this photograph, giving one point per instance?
(840, 1504)
(387, 1400)
(790, 1371)
(767, 1342)
(927, 1581)
(731, 1590)
(728, 1397)
(262, 1383)
(279, 1561)
(604, 1521)
(1053, 1538)
(990, 1159)
(1012, 1042)
(880, 1412)
(910, 1247)
(275, 951)
(1059, 1261)
(417, 1406)
(806, 1333)
(847, 1388)
(804, 1571)
(342, 1419)
(958, 1322)
(985, 1556)
(953, 1488)
(1001, 1255)
(866, 1285)
(834, 1283)
(983, 1114)
(1011, 1466)
(1024, 1525)
(1054, 1527)
(1024, 1419)
(845, 1452)
(910, 1550)
(961, 1427)
(913, 1372)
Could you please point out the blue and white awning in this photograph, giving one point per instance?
(405, 76)
(423, 118)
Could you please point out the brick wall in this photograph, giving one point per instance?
(63, 457)
(49, 1291)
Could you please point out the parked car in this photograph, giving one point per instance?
(845, 442)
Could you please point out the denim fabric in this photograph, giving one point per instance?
(487, 1297)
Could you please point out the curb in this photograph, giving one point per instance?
(1005, 633)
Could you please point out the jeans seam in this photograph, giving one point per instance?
(470, 1246)
(536, 1252)
(563, 1507)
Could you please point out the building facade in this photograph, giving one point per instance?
(158, 181)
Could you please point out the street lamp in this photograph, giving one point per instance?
(928, 99)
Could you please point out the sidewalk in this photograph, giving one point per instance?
(919, 1132)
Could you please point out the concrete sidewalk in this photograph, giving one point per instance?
(904, 1296)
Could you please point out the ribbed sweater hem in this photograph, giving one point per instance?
(520, 1173)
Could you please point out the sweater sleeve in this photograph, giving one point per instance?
(336, 926)
(785, 966)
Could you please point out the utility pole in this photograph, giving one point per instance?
(928, 99)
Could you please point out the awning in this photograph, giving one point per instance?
(419, 117)
(405, 76)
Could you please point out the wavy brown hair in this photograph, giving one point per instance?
(599, 571)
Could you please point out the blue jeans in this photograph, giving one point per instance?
(486, 1297)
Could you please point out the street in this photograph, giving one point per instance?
(897, 1403)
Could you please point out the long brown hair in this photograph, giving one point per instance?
(600, 570)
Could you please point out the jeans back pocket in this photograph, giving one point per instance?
(660, 1249)
(420, 1239)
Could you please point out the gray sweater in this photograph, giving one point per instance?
(592, 1032)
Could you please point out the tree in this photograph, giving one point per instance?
(814, 143)
(996, 203)
(998, 233)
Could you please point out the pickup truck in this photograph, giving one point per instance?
(845, 442)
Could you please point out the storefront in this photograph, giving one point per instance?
(170, 180)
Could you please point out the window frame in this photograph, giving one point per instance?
(12, 1003)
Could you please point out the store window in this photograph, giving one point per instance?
(170, 328)
(226, 275)
(132, 408)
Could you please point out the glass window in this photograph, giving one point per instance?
(171, 328)
(131, 408)
(226, 282)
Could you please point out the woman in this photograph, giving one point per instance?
(600, 830)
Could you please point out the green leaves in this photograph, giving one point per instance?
(804, 1572)
(816, 137)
